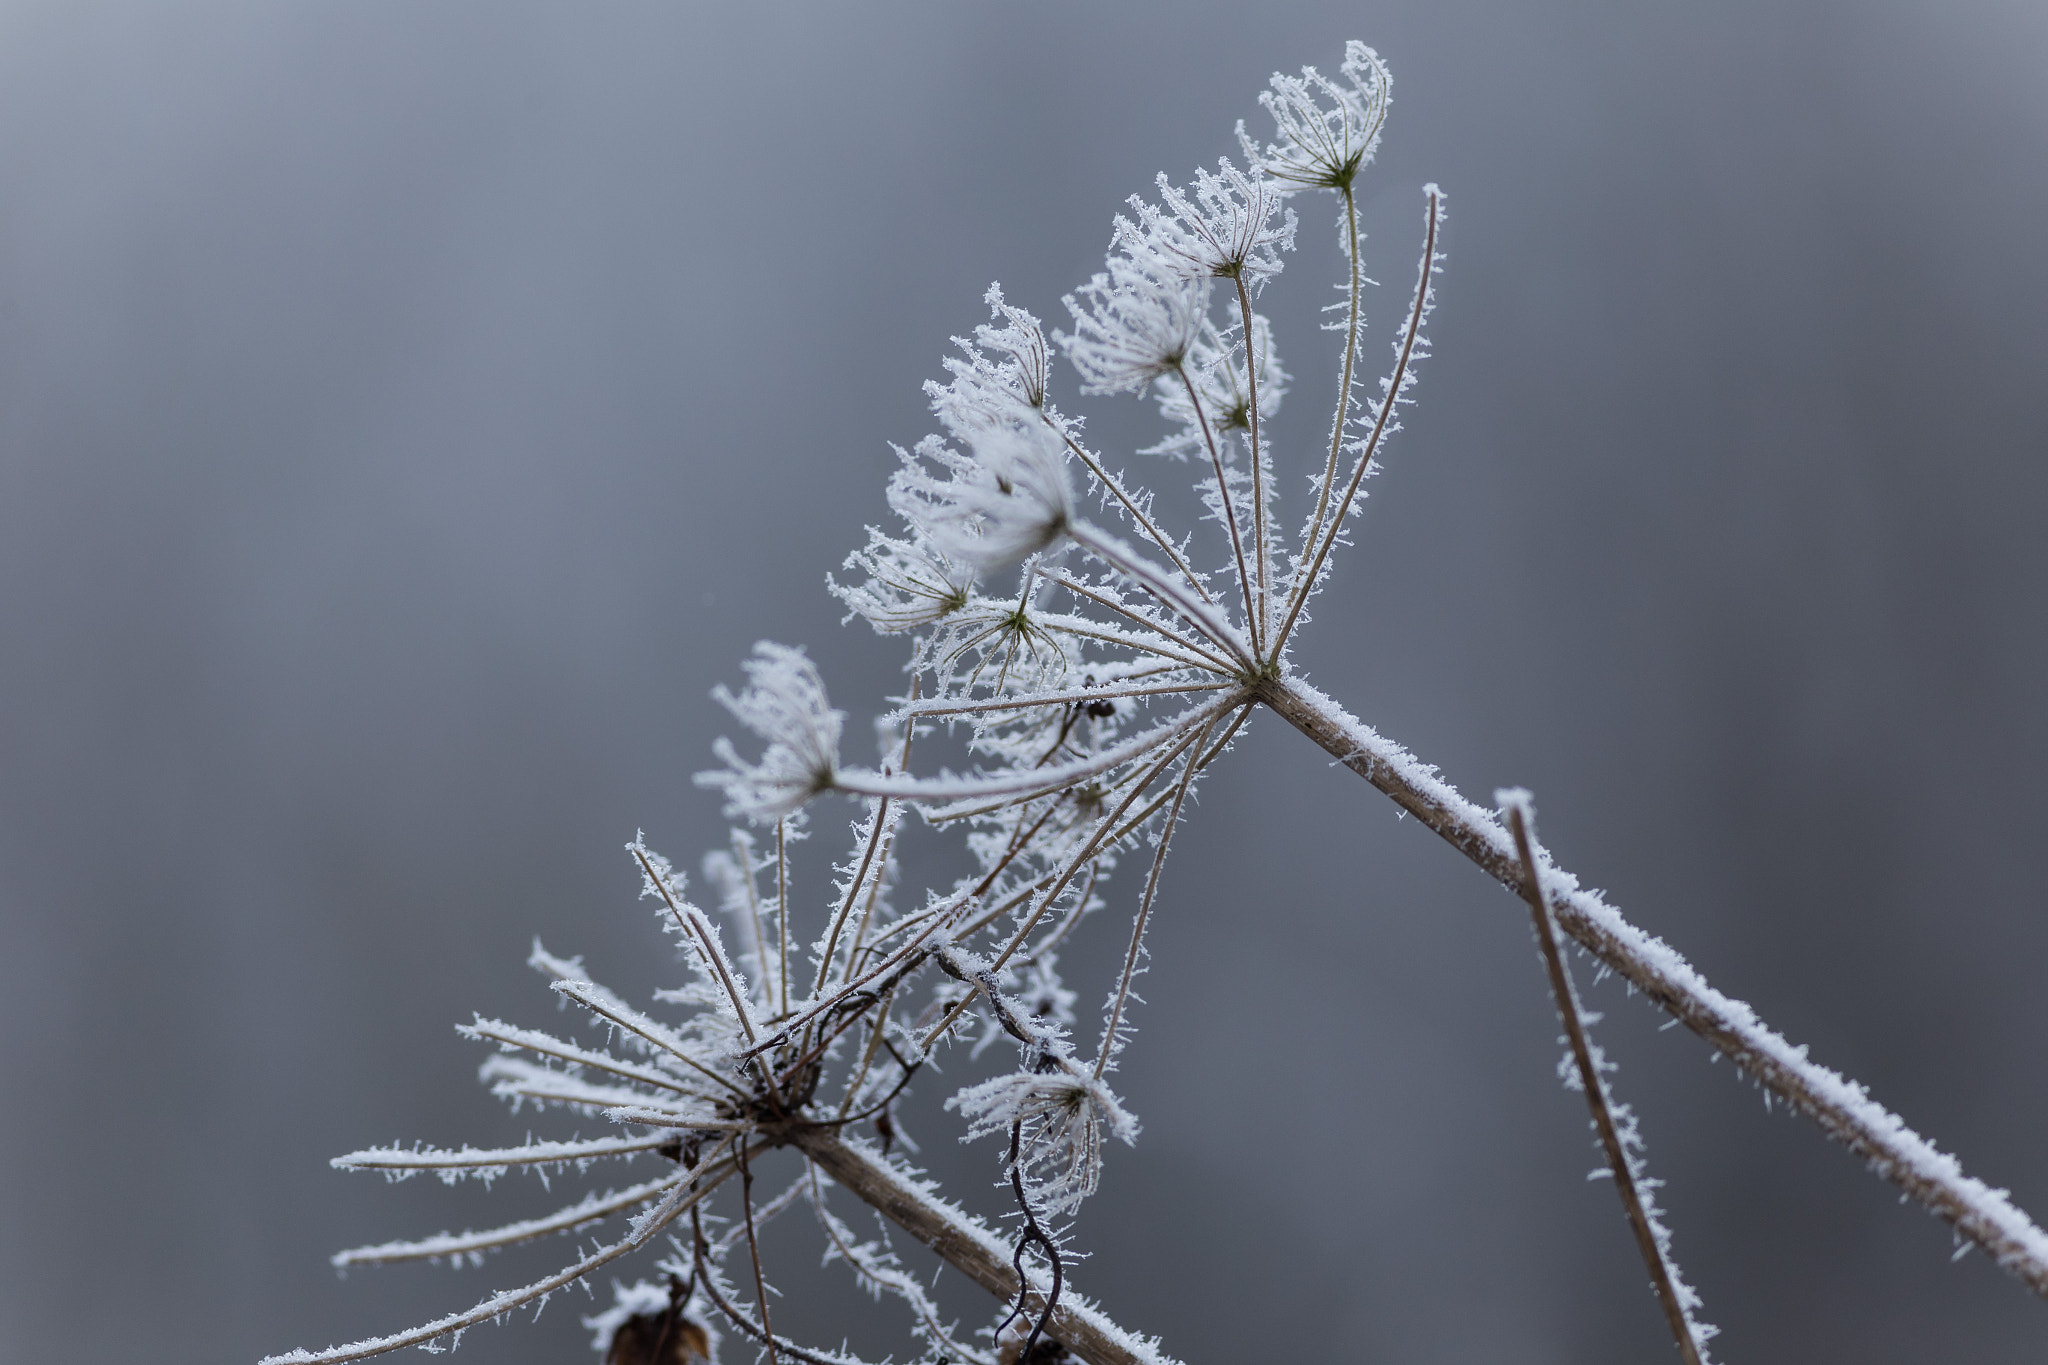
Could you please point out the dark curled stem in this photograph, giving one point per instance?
(1033, 1233)
(909, 1069)
(1661, 1277)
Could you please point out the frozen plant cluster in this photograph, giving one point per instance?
(1081, 667)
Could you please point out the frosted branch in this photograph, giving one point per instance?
(1842, 1108)
(1619, 1140)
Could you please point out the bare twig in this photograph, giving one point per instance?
(754, 1251)
(1130, 970)
(1344, 380)
(1411, 336)
(1663, 1275)
(1033, 1235)
(1843, 1109)
(1226, 502)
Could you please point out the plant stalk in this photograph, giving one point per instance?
(1841, 1107)
(967, 1245)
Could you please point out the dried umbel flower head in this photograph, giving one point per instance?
(906, 586)
(1008, 497)
(1004, 377)
(784, 703)
(1228, 225)
(1060, 1118)
(1325, 131)
(1223, 391)
(1134, 322)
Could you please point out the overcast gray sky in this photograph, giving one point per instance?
(408, 412)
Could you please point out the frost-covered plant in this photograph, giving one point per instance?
(1087, 675)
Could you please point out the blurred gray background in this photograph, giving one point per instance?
(408, 412)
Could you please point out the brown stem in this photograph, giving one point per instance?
(1343, 417)
(1595, 1086)
(754, 1245)
(1891, 1149)
(1244, 574)
(1305, 583)
(1251, 379)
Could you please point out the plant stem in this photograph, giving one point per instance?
(1662, 1277)
(1130, 505)
(1202, 617)
(754, 1250)
(1337, 423)
(1228, 504)
(1130, 971)
(968, 1246)
(1260, 625)
(1842, 1108)
(782, 910)
(1304, 584)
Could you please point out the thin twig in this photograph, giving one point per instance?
(1201, 616)
(1663, 1275)
(1065, 699)
(1032, 1234)
(878, 819)
(782, 910)
(1251, 376)
(1229, 504)
(893, 1281)
(754, 1245)
(1116, 489)
(1111, 604)
(966, 1244)
(1304, 584)
(1032, 782)
(1843, 1109)
(1073, 866)
(1344, 381)
(681, 1197)
(738, 1319)
(1123, 982)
